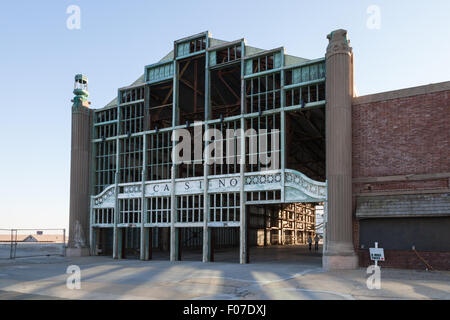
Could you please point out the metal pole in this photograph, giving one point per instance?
(116, 184)
(11, 249)
(143, 244)
(64, 242)
(91, 229)
(206, 239)
(283, 128)
(376, 261)
(173, 239)
(243, 249)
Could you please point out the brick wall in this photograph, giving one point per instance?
(406, 132)
(408, 259)
(408, 135)
(401, 185)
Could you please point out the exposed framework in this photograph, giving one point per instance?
(282, 224)
(219, 85)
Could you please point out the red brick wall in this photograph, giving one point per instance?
(401, 185)
(408, 259)
(408, 135)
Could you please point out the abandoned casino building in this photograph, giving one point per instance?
(378, 164)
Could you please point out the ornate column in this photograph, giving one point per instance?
(339, 252)
(80, 170)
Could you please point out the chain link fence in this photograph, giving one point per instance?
(24, 243)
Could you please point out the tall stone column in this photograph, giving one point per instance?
(339, 252)
(80, 171)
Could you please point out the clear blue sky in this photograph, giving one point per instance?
(39, 57)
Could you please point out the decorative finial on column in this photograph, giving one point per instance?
(339, 42)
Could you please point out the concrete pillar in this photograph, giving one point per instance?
(339, 253)
(78, 244)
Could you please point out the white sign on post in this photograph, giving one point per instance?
(376, 254)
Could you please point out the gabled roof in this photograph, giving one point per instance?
(290, 60)
(139, 80)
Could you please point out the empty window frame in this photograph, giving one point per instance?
(158, 210)
(105, 164)
(194, 166)
(258, 196)
(305, 94)
(189, 208)
(263, 93)
(263, 143)
(105, 123)
(160, 105)
(263, 63)
(130, 159)
(130, 211)
(225, 91)
(105, 115)
(132, 118)
(159, 155)
(225, 55)
(191, 46)
(224, 207)
(227, 147)
(191, 90)
(104, 216)
(131, 95)
(105, 130)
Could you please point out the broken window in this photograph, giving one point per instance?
(130, 157)
(191, 46)
(105, 123)
(263, 93)
(191, 93)
(159, 157)
(160, 105)
(105, 164)
(263, 63)
(225, 55)
(226, 92)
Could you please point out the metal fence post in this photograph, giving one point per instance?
(11, 248)
(64, 242)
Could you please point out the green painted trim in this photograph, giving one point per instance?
(263, 73)
(302, 84)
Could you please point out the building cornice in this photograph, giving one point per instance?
(402, 93)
